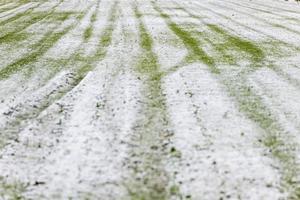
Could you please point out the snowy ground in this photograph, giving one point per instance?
(150, 99)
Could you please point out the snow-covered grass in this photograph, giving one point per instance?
(146, 100)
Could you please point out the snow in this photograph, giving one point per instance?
(72, 134)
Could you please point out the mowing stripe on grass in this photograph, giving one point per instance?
(84, 65)
(89, 30)
(40, 49)
(11, 10)
(275, 139)
(242, 25)
(277, 8)
(190, 42)
(149, 180)
(19, 15)
(105, 40)
(265, 11)
(256, 52)
(8, 7)
(14, 34)
(259, 19)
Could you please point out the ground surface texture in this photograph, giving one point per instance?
(150, 99)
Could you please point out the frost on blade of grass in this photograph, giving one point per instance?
(275, 139)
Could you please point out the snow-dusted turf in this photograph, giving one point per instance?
(149, 100)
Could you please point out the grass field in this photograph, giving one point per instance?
(149, 100)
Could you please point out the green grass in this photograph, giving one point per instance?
(88, 33)
(190, 42)
(256, 53)
(89, 30)
(13, 38)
